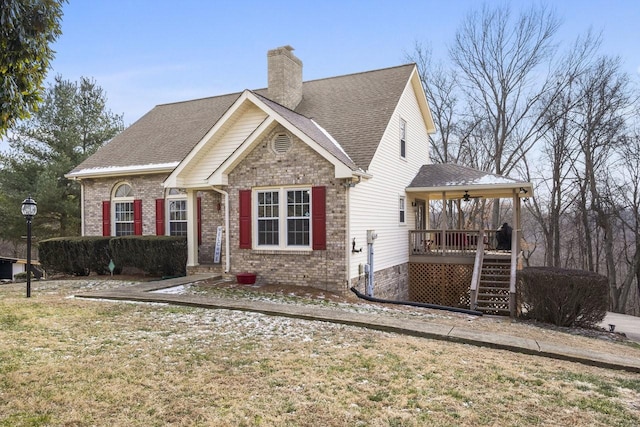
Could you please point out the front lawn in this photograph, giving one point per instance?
(73, 362)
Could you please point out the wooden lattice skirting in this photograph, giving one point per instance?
(443, 284)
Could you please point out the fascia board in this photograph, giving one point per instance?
(490, 190)
(414, 80)
(122, 171)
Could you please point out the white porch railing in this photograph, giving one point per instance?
(450, 242)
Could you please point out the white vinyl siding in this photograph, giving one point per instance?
(224, 144)
(374, 203)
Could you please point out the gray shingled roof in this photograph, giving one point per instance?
(450, 175)
(309, 128)
(355, 109)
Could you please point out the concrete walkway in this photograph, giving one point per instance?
(142, 292)
(629, 325)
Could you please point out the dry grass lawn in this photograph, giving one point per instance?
(74, 362)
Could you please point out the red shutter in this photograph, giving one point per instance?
(245, 219)
(137, 217)
(160, 228)
(319, 217)
(106, 218)
(199, 213)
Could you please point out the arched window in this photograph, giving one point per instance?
(124, 211)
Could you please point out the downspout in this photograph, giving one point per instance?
(347, 196)
(227, 254)
(82, 226)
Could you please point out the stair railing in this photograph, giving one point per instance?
(477, 271)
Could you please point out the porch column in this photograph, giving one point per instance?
(443, 226)
(192, 228)
(515, 250)
(427, 221)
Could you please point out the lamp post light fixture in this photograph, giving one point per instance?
(29, 210)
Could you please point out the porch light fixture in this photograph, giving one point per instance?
(29, 210)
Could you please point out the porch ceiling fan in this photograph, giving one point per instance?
(467, 197)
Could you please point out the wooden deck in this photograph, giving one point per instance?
(461, 268)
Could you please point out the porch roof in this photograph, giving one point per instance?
(454, 181)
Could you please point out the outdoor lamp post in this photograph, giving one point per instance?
(29, 210)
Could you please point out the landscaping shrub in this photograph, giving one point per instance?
(75, 255)
(563, 297)
(155, 255)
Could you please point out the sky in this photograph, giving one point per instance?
(149, 52)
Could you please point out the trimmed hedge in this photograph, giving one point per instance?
(563, 297)
(155, 255)
(79, 256)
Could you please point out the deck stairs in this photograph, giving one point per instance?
(493, 286)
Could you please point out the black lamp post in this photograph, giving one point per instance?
(29, 210)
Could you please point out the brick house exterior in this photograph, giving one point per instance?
(295, 175)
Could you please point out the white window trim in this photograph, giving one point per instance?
(282, 219)
(114, 201)
(174, 194)
(402, 208)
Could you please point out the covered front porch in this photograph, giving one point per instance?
(457, 256)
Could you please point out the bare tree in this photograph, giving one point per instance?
(604, 103)
(625, 195)
(501, 59)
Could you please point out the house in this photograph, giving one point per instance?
(303, 182)
(10, 267)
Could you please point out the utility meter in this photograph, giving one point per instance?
(371, 236)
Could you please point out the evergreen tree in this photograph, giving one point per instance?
(27, 30)
(70, 125)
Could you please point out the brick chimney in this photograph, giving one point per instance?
(285, 77)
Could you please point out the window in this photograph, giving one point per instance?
(403, 138)
(123, 211)
(286, 227)
(402, 210)
(177, 212)
(177, 217)
(268, 218)
(124, 218)
(298, 212)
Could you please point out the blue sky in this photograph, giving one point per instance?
(149, 52)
